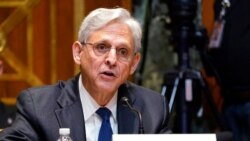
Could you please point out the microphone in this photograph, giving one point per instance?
(126, 101)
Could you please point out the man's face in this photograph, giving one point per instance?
(105, 72)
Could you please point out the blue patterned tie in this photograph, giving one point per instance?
(105, 133)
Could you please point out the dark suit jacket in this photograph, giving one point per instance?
(231, 60)
(7, 114)
(42, 111)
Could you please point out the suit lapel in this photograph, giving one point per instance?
(128, 122)
(70, 114)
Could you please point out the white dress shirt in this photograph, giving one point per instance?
(92, 120)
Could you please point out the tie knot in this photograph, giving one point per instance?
(104, 113)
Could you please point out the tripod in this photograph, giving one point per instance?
(182, 84)
(179, 83)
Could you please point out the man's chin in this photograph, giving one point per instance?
(108, 86)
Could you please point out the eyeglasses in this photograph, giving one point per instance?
(100, 49)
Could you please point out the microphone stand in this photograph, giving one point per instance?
(141, 128)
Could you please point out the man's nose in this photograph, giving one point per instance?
(111, 56)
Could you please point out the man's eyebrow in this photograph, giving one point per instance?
(123, 44)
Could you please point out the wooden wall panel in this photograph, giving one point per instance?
(208, 15)
(30, 29)
(14, 47)
(90, 5)
(41, 39)
(65, 38)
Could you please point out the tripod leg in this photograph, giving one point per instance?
(179, 105)
(184, 109)
(211, 103)
(173, 93)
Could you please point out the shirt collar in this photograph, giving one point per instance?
(90, 106)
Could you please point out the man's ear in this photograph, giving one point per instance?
(76, 50)
(135, 63)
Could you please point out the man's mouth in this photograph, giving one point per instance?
(108, 73)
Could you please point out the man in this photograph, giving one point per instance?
(231, 60)
(107, 52)
(6, 114)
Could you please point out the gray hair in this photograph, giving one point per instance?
(102, 16)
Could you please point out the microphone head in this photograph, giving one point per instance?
(124, 99)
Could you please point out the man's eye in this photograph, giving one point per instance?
(102, 47)
(123, 52)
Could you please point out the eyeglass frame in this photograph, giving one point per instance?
(110, 47)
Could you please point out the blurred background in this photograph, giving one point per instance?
(36, 38)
